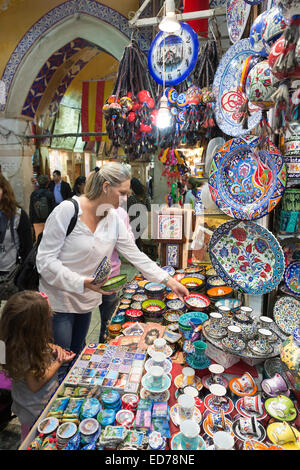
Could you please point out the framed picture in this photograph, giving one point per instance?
(152, 332)
(172, 255)
(170, 227)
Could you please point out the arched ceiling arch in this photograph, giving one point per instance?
(71, 22)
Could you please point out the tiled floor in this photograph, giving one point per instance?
(10, 437)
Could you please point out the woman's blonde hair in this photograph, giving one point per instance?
(115, 173)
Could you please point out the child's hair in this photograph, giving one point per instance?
(25, 329)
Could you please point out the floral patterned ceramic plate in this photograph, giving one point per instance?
(176, 443)
(259, 436)
(246, 184)
(174, 413)
(237, 13)
(160, 396)
(248, 414)
(226, 88)
(286, 314)
(211, 431)
(227, 406)
(234, 388)
(247, 256)
(292, 277)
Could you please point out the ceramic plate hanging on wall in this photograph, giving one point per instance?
(244, 183)
(286, 314)
(292, 277)
(237, 13)
(247, 256)
(226, 88)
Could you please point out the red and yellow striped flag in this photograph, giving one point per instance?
(94, 95)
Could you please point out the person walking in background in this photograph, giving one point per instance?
(15, 238)
(139, 198)
(61, 189)
(191, 194)
(41, 204)
(110, 301)
(79, 186)
(32, 360)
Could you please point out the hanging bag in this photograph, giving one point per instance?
(7, 281)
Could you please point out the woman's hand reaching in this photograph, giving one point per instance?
(178, 288)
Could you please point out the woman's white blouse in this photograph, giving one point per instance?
(65, 261)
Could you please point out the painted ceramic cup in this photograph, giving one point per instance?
(159, 345)
(245, 383)
(158, 359)
(282, 407)
(283, 433)
(186, 407)
(189, 434)
(264, 337)
(223, 441)
(191, 391)
(216, 370)
(234, 332)
(218, 391)
(156, 376)
(253, 403)
(248, 425)
(274, 385)
(215, 319)
(265, 322)
(216, 420)
(226, 315)
(247, 310)
(188, 376)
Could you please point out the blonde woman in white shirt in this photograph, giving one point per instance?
(66, 263)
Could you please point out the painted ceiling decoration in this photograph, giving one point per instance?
(60, 13)
(59, 59)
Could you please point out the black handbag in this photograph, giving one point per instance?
(7, 281)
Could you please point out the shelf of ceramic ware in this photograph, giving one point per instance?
(246, 353)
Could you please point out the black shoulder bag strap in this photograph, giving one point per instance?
(75, 216)
(12, 231)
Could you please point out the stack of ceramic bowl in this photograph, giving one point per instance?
(197, 302)
(154, 290)
(153, 310)
(214, 281)
(217, 293)
(134, 315)
(171, 317)
(186, 321)
(118, 319)
(193, 284)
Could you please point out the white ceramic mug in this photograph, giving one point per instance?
(156, 376)
(186, 407)
(158, 359)
(188, 376)
(189, 434)
(223, 441)
(159, 344)
(216, 370)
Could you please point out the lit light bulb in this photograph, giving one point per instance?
(169, 23)
(164, 117)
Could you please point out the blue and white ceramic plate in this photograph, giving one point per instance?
(226, 88)
(237, 13)
(292, 277)
(247, 184)
(247, 256)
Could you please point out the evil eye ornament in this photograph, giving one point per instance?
(182, 101)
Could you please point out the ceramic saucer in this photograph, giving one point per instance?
(174, 413)
(211, 431)
(175, 443)
(260, 436)
(237, 348)
(168, 351)
(146, 383)
(226, 407)
(247, 413)
(191, 361)
(216, 333)
(272, 412)
(155, 396)
(253, 345)
(233, 387)
(207, 381)
(178, 381)
(251, 444)
(288, 445)
(167, 365)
